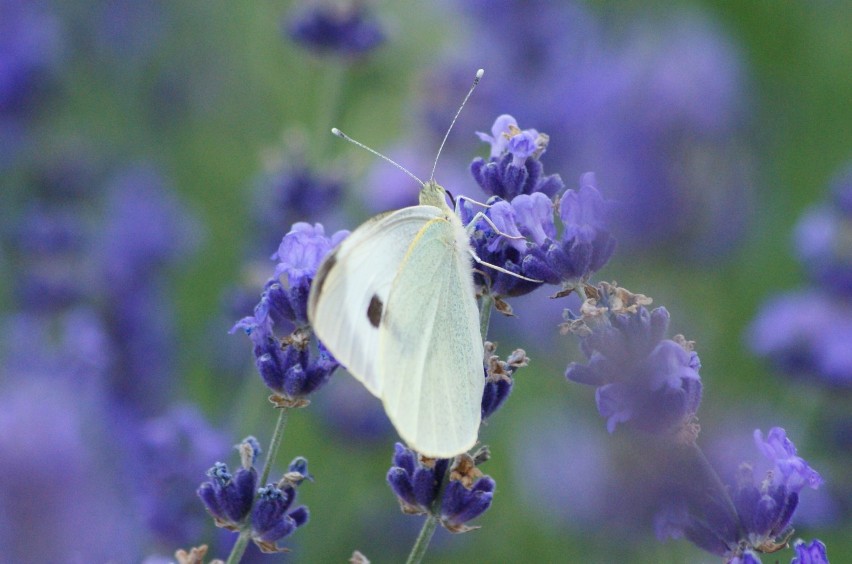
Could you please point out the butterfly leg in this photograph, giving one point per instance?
(501, 269)
(480, 215)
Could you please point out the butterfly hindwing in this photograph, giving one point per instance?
(430, 347)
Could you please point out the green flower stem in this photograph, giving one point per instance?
(239, 547)
(274, 444)
(485, 307)
(712, 477)
(421, 545)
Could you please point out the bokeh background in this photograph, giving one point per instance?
(152, 155)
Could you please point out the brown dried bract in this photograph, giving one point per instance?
(503, 307)
(281, 402)
(300, 338)
(464, 470)
(270, 547)
(194, 556)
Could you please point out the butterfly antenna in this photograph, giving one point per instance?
(476, 80)
(342, 135)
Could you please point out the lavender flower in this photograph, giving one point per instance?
(271, 519)
(228, 497)
(522, 205)
(760, 515)
(586, 244)
(514, 167)
(344, 30)
(234, 503)
(643, 380)
(288, 365)
(416, 481)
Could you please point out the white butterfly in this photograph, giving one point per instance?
(395, 304)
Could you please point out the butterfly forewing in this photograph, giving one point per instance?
(352, 285)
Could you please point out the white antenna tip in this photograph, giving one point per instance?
(337, 132)
(479, 73)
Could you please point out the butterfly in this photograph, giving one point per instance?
(395, 303)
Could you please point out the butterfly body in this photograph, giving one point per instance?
(395, 304)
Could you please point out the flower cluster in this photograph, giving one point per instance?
(288, 365)
(522, 206)
(807, 332)
(643, 380)
(417, 482)
(235, 502)
(756, 518)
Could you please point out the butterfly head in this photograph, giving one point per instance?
(433, 194)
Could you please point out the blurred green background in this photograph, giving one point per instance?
(237, 90)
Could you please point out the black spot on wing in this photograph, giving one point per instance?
(374, 310)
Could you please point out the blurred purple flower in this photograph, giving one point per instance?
(354, 417)
(813, 553)
(291, 191)
(643, 380)
(791, 470)
(658, 110)
(146, 228)
(757, 516)
(823, 239)
(59, 500)
(174, 449)
(346, 29)
(50, 247)
(580, 498)
(807, 334)
(31, 48)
